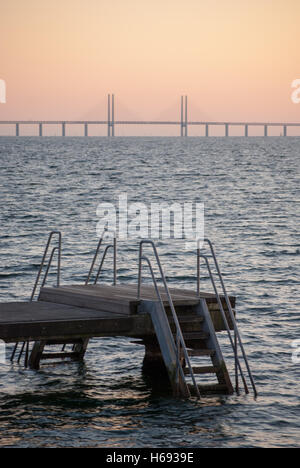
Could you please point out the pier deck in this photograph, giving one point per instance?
(75, 311)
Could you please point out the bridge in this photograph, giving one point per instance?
(184, 123)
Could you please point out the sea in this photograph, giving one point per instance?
(250, 188)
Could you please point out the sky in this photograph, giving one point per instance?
(235, 59)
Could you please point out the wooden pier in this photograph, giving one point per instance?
(173, 324)
(76, 313)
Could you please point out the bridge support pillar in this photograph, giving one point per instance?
(86, 130)
(40, 130)
(226, 130)
(266, 130)
(246, 131)
(111, 115)
(64, 129)
(17, 129)
(184, 116)
(207, 130)
(285, 130)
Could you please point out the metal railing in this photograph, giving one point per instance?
(236, 340)
(179, 343)
(57, 249)
(108, 247)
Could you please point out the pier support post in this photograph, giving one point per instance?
(153, 363)
(40, 130)
(266, 130)
(64, 129)
(80, 349)
(285, 130)
(36, 354)
(207, 130)
(17, 129)
(226, 130)
(86, 130)
(246, 130)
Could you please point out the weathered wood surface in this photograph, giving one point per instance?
(121, 299)
(72, 312)
(38, 321)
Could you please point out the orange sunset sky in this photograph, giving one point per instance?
(235, 59)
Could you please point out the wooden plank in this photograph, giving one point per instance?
(86, 301)
(14, 312)
(128, 293)
(41, 321)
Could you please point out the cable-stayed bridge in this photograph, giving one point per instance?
(183, 124)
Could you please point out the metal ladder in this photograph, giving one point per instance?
(112, 246)
(176, 354)
(58, 249)
(236, 340)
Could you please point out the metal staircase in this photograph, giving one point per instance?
(178, 346)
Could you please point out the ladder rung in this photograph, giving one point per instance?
(201, 352)
(202, 370)
(64, 342)
(189, 336)
(210, 388)
(189, 319)
(58, 355)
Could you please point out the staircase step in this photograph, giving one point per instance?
(201, 352)
(210, 389)
(64, 342)
(202, 370)
(189, 319)
(59, 355)
(190, 336)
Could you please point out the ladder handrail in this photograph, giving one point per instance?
(110, 246)
(59, 249)
(114, 246)
(228, 303)
(177, 352)
(54, 250)
(179, 335)
(237, 362)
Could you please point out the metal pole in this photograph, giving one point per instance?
(226, 130)
(207, 130)
(246, 130)
(17, 130)
(86, 130)
(41, 130)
